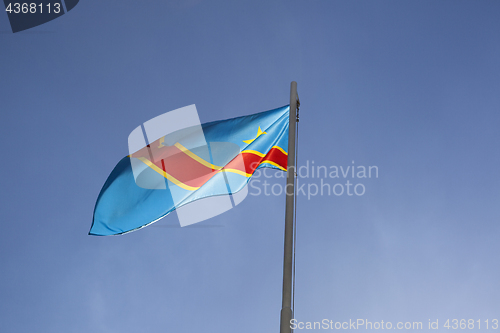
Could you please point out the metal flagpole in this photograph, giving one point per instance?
(286, 307)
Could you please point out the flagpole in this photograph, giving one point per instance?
(286, 307)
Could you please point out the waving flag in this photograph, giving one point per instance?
(176, 170)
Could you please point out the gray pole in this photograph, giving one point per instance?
(286, 307)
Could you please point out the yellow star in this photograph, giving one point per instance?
(161, 143)
(259, 133)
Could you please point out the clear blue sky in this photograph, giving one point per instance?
(412, 87)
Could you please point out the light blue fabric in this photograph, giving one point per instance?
(122, 206)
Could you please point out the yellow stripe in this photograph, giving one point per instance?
(273, 163)
(166, 175)
(239, 172)
(196, 157)
(280, 149)
(243, 173)
(258, 153)
(253, 152)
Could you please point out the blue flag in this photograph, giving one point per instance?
(172, 172)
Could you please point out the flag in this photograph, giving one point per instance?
(172, 172)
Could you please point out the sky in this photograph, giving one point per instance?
(410, 87)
